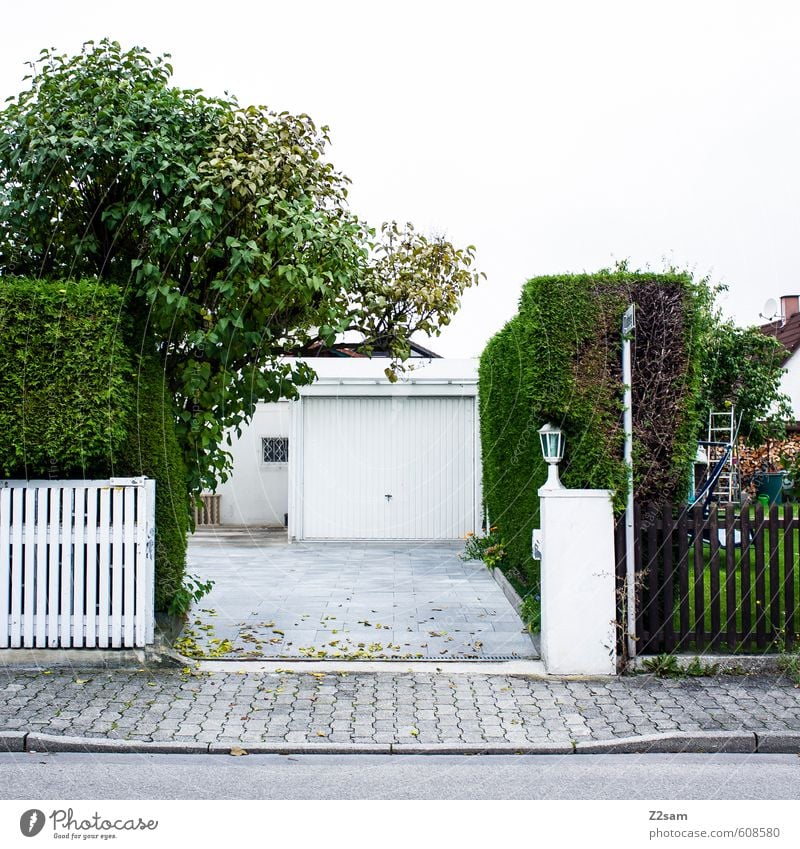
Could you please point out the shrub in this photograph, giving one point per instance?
(558, 359)
(490, 548)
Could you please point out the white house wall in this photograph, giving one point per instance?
(790, 382)
(256, 494)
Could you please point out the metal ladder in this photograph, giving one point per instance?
(722, 433)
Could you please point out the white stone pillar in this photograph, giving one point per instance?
(578, 585)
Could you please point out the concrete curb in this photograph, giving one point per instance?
(509, 592)
(738, 664)
(710, 742)
(35, 742)
(515, 600)
(158, 655)
(778, 742)
(12, 741)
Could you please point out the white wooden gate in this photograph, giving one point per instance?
(77, 563)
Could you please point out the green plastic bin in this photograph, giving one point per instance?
(771, 485)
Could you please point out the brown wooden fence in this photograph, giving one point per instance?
(727, 582)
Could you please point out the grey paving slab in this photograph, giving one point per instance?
(324, 600)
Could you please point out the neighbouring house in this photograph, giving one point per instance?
(786, 330)
(360, 457)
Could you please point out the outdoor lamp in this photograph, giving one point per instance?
(552, 439)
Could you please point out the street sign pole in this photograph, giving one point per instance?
(628, 328)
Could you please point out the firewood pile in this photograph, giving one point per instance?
(772, 457)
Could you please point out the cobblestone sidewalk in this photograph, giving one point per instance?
(416, 709)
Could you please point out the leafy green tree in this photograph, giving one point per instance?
(742, 367)
(225, 225)
(412, 284)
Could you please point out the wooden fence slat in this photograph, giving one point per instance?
(774, 573)
(91, 566)
(42, 494)
(638, 576)
(683, 578)
(760, 581)
(129, 576)
(668, 590)
(5, 565)
(79, 568)
(699, 568)
(53, 576)
(149, 518)
(16, 568)
(730, 575)
(103, 588)
(745, 568)
(65, 548)
(788, 575)
(141, 567)
(116, 566)
(651, 564)
(714, 570)
(29, 586)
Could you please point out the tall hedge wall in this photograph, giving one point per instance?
(558, 360)
(151, 448)
(65, 377)
(76, 402)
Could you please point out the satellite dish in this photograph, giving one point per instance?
(770, 310)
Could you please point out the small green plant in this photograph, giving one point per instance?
(192, 589)
(697, 669)
(667, 666)
(490, 548)
(789, 664)
(663, 666)
(531, 612)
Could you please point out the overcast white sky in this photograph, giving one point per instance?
(553, 136)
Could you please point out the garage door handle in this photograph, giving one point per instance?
(388, 496)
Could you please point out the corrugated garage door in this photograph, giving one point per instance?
(388, 468)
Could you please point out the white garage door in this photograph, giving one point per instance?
(388, 468)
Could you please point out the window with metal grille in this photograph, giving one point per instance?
(275, 449)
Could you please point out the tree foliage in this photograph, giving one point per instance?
(412, 284)
(743, 367)
(225, 225)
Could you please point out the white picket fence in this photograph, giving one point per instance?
(77, 563)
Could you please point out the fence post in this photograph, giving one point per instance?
(150, 556)
(578, 582)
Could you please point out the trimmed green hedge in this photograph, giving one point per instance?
(76, 402)
(558, 360)
(65, 377)
(152, 449)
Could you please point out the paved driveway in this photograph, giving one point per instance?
(346, 600)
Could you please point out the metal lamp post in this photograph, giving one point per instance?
(552, 441)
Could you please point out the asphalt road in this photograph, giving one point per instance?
(85, 776)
